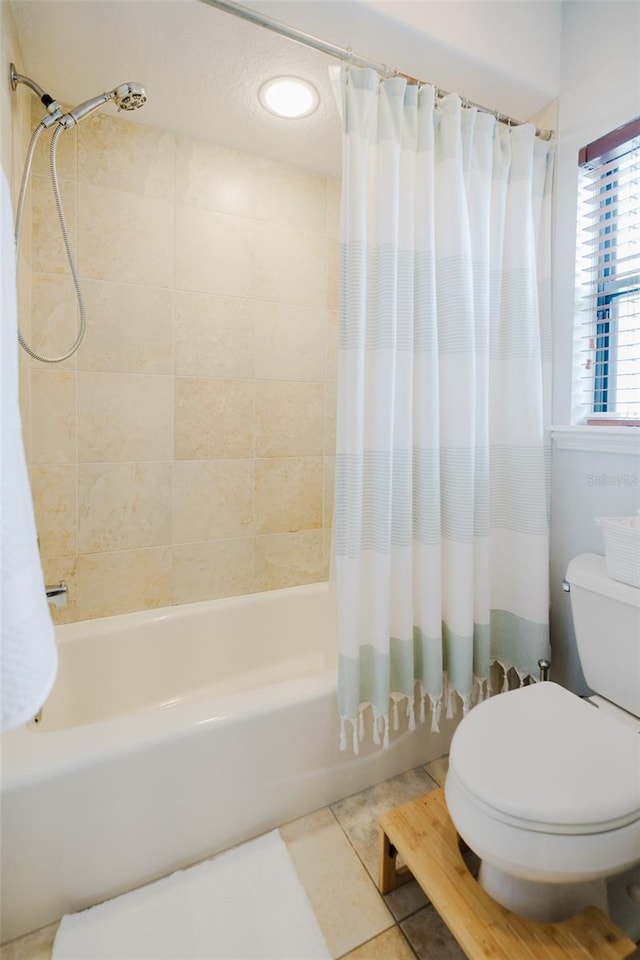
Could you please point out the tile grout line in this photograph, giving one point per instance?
(372, 939)
(406, 938)
(396, 921)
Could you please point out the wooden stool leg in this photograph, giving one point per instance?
(389, 877)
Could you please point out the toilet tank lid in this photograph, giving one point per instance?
(589, 572)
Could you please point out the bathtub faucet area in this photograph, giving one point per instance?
(57, 593)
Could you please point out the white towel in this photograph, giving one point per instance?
(28, 658)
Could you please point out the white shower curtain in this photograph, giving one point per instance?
(441, 518)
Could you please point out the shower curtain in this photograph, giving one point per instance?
(442, 479)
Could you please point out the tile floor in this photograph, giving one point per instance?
(335, 852)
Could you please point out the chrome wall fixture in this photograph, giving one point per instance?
(57, 593)
(128, 96)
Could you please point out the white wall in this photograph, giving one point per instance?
(203, 68)
(498, 38)
(599, 91)
(504, 54)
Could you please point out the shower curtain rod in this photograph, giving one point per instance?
(347, 55)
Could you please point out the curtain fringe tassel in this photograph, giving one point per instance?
(436, 710)
(446, 700)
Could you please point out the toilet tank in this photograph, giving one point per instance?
(606, 617)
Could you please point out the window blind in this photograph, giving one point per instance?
(608, 276)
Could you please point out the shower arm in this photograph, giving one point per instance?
(53, 107)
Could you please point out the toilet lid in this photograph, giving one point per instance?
(545, 759)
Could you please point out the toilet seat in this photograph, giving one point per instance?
(542, 759)
(545, 787)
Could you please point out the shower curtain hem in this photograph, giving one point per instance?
(481, 689)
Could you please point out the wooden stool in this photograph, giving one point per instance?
(422, 833)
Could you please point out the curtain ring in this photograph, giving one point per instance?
(349, 59)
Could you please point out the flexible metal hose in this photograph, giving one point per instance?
(19, 217)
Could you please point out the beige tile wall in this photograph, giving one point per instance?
(186, 452)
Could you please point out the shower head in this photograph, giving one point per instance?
(128, 96)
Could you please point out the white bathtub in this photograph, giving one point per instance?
(170, 735)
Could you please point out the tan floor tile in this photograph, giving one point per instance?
(346, 903)
(390, 945)
(34, 946)
(437, 770)
(430, 937)
(359, 817)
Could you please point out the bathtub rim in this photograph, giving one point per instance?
(99, 626)
(30, 755)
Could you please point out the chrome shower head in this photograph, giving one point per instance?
(128, 96)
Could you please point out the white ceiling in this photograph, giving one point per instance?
(202, 68)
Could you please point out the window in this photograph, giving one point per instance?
(608, 277)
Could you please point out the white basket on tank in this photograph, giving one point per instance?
(622, 548)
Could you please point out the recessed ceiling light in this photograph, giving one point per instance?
(289, 97)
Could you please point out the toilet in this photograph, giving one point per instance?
(544, 786)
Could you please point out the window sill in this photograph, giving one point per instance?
(591, 439)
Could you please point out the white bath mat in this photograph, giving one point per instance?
(245, 904)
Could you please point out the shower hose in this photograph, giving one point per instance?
(65, 236)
